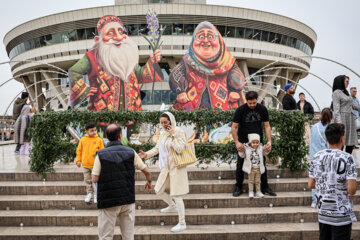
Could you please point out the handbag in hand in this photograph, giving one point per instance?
(187, 157)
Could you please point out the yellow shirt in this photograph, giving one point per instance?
(138, 163)
(86, 150)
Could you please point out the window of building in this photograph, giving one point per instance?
(230, 32)
(157, 97)
(278, 38)
(265, 36)
(90, 33)
(165, 96)
(147, 100)
(27, 45)
(36, 42)
(189, 29)
(133, 29)
(257, 34)
(168, 28)
(283, 40)
(143, 29)
(172, 97)
(178, 29)
(249, 33)
(239, 32)
(221, 29)
(81, 35)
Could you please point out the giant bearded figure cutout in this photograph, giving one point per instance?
(207, 76)
(113, 71)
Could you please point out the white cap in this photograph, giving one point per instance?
(253, 136)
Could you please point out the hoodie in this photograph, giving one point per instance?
(18, 105)
(86, 150)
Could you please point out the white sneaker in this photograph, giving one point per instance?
(251, 194)
(169, 209)
(95, 198)
(88, 197)
(259, 194)
(313, 205)
(179, 227)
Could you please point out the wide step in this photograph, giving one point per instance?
(196, 186)
(298, 231)
(154, 217)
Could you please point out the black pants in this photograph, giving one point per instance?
(18, 146)
(330, 232)
(240, 174)
(349, 149)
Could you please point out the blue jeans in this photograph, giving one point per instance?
(313, 192)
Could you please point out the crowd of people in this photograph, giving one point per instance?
(109, 172)
(333, 172)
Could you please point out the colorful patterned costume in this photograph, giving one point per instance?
(207, 83)
(113, 93)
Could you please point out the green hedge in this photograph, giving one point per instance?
(51, 144)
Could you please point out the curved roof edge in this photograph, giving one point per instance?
(112, 6)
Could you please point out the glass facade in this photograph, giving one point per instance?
(159, 97)
(171, 29)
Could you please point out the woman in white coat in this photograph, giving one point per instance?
(171, 139)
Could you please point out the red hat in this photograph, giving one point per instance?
(108, 19)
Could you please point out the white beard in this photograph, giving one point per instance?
(117, 61)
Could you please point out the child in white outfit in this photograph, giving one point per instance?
(253, 163)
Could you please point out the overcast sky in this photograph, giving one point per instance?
(336, 23)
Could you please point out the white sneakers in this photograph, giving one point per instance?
(169, 209)
(313, 205)
(259, 194)
(88, 197)
(179, 227)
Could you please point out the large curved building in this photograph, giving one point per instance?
(254, 37)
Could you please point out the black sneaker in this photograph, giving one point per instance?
(356, 147)
(269, 191)
(237, 191)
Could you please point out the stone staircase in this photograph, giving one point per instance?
(55, 209)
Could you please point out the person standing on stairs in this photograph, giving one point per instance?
(171, 140)
(250, 118)
(114, 171)
(253, 164)
(318, 140)
(85, 156)
(288, 101)
(343, 105)
(333, 174)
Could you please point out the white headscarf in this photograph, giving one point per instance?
(163, 153)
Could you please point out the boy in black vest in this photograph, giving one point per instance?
(114, 171)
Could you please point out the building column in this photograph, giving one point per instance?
(40, 98)
(30, 89)
(269, 83)
(244, 69)
(296, 78)
(53, 84)
(284, 74)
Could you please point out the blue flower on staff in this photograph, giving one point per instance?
(154, 33)
(153, 38)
